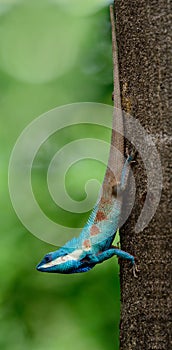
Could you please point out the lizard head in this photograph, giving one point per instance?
(64, 261)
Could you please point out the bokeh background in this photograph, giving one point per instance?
(52, 53)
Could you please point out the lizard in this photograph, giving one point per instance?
(94, 244)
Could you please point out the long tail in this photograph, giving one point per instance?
(115, 162)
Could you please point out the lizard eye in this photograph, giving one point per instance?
(48, 258)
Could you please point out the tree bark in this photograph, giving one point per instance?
(144, 49)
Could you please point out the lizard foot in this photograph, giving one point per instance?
(135, 270)
(131, 155)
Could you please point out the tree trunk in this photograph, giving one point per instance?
(143, 36)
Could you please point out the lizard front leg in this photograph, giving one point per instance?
(107, 254)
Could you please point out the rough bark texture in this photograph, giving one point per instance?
(144, 44)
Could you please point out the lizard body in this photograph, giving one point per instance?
(94, 245)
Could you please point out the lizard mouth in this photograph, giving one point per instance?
(39, 267)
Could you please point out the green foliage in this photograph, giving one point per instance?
(40, 311)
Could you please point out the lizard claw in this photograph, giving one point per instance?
(135, 270)
(133, 162)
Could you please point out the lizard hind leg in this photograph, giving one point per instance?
(119, 187)
(126, 170)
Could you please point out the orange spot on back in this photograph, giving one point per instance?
(94, 230)
(100, 216)
(86, 243)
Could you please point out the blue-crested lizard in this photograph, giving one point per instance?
(94, 245)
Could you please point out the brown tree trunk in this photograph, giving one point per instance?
(143, 36)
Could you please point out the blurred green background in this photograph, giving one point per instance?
(52, 53)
